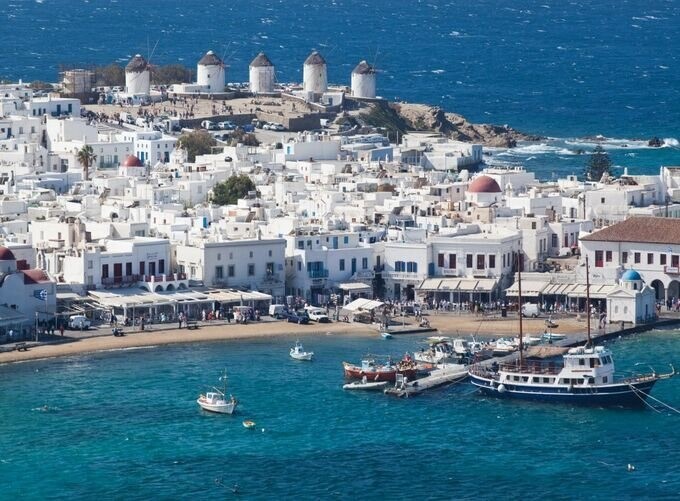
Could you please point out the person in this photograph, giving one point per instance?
(61, 328)
(141, 323)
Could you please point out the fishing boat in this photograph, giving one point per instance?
(504, 346)
(249, 424)
(298, 352)
(365, 385)
(374, 371)
(217, 401)
(585, 377)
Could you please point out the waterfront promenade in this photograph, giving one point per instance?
(452, 324)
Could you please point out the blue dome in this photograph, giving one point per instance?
(631, 275)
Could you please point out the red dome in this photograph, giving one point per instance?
(6, 254)
(484, 184)
(35, 276)
(132, 161)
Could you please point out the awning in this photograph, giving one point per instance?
(130, 298)
(458, 285)
(430, 284)
(596, 291)
(355, 287)
(530, 288)
(362, 304)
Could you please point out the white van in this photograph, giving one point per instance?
(277, 310)
(530, 310)
(78, 322)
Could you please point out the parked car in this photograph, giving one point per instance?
(318, 315)
(277, 127)
(208, 125)
(297, 317)
(78, 322)
(226, 125)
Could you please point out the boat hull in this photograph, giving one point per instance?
(612, 395)
(354, 372)
(372, 386)
(302, 356)
(227, 408)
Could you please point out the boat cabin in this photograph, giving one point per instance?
(587, 366)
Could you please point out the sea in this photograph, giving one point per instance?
(125, 424)
(578, 73)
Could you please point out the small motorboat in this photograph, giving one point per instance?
(553, 336)
(298, 352)
(375, 372)
(550, 324)
(217, 401)
(385, 335)
(530, 340)
(248, 424)
(365, 385)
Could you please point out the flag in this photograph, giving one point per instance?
(40, 294)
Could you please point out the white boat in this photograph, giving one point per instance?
(504, 346)
(365, 385)
(217, 401)
(298, 352)
(385, 335)
(530, 340)
(553, 336)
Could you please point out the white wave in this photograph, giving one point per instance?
(608, 143)
(671, 141)
(438, 72)
(540, 149)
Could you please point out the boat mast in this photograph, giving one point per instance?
(588, 302)
(519, 306)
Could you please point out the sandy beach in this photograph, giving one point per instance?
(447, 324)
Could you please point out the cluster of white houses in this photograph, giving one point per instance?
(327, 220)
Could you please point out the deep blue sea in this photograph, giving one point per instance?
(561, 69)
(125, 425)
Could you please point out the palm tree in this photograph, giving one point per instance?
(86, 157)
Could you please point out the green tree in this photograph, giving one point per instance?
(171, 74)
(86, 157)
(239, 136)
(598, 164)
(40, 85)
(231, 190)
(110, 75)
(198, 142)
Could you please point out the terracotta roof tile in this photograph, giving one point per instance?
(652, 230)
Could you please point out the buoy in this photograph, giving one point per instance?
(501, 388)
(631, 467)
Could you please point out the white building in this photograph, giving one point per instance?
(256, 264)
(262, 75)
(137, 77)
(650, 245)
(632, 302)
(210, 72)
(363, 80)
(314, 74)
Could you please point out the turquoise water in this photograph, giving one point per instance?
(125, 425)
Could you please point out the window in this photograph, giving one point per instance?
(598, 259)
(251, 254)
(675, 260)
(301, 244)
(481, 261)
(161, 266)
(637, 258)
(440, 260)
(345, 240)
(269, 267)
(299, 265)
(230, 270)
(219, 256)
(270, 253)
(219, 272)
(89, 264)
(555, 242)
(364, 263)
(342, 265)
(608, 256)
(650, 258)
(128, 269)
(602, 200)
(251, 270)
(624, 257)
(533, 225)
(662, 259)
(492, 261)
(105, 271)
(452, 261)
(141, 268)
(468, 261)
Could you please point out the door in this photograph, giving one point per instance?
(152, 268)
(354, 265)
(117, 272)
(397, 291)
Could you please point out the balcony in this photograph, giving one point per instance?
(402, 275)
(318, 273)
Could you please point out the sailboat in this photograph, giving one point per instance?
(216, 400)
(585, 377)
